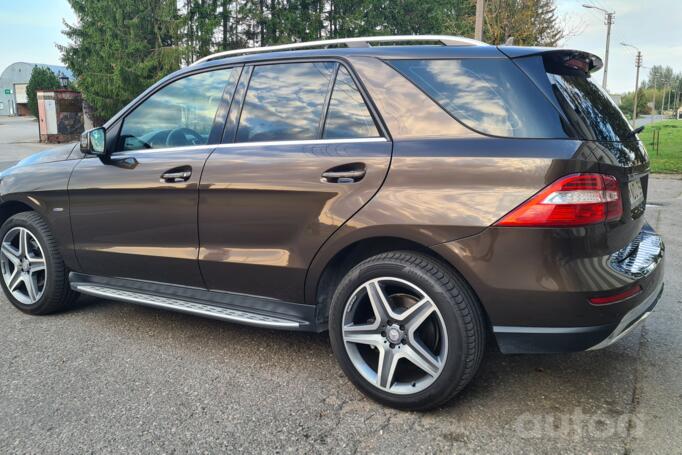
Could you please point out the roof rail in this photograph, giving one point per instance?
(366, 41)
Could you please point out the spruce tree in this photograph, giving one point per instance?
(529, 22)
(119, 48)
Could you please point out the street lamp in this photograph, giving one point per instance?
(609, 21)
(63, 81)
(638, 65)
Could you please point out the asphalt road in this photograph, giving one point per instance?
(108, 377)
(18, 139)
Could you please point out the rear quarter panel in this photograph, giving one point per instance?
(445, 182)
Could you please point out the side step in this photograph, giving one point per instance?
(241, 316)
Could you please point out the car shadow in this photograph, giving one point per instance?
(595, 382)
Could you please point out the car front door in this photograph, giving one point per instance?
(302, 153)
(134, 213)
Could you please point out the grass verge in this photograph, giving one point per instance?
(668, 159)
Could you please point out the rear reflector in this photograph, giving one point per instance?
(617, 297)
(574, 200)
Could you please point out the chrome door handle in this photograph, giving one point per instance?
(173, 177)
(343, 176)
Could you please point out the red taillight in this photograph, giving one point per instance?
(617, 297)
(574, 200)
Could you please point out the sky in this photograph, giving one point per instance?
(651, 25)
(31, 28)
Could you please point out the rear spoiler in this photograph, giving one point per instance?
(559, 59)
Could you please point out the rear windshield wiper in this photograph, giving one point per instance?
(635, 132)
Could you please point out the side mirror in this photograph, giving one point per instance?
(93, 141)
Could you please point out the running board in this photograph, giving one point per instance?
(241, 316)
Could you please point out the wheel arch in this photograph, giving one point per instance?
(10, 208)
(15, 203)
(320, 284)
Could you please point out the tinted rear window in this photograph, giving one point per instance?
(492, 96)
(590, 111)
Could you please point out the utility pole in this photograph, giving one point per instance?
(609, 22)
(653, 112)
(666, 103)
(638, 65)
(480, 9)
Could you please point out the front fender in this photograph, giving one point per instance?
(43, 187)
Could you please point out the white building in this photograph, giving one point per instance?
(13, 81)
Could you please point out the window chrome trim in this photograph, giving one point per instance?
(257, 144)
(304, 142)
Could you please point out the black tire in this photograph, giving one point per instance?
(454, 300)
(57, 294)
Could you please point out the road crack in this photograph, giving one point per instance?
(636, 392)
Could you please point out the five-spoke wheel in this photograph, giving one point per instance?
(406, 329)
(34, 276)
(394, 335)
(23, 265)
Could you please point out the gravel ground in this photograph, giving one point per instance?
(108, 377)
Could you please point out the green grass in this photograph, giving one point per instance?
(669, 157)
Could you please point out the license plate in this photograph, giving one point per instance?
(636, 193)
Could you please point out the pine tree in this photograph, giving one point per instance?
(547, 31)
(529, 22)
(119, 48)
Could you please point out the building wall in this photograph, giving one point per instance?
(19, 73)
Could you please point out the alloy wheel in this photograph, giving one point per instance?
(395, 335)
(23, 265)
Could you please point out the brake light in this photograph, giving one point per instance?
(574, 200)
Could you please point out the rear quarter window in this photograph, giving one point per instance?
(348, 116)
(491, 96)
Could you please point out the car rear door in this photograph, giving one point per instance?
(134, 213)
(301, 154)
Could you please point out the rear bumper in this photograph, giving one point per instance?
(526, 340)
(631, 320)
(535, 285)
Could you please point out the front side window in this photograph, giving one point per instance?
(180, 114)
(285, 102)
(348, 116)
(492, 96)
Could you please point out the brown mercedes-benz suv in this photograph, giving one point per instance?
(411, 199)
